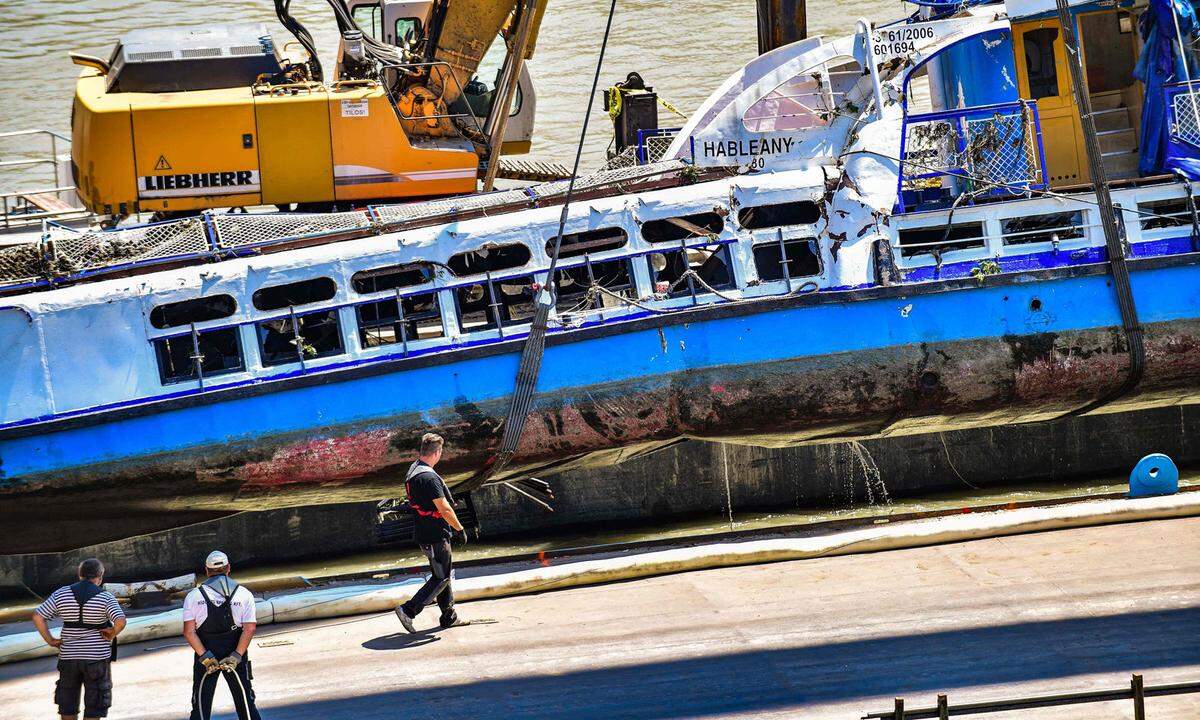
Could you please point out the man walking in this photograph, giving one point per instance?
(218, 622)
(436, 523)
(92, 619)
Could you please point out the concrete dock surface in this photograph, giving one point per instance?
(1046, 613)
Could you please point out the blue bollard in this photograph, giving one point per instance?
(1154, 474)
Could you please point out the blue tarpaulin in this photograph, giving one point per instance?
(1159, 64)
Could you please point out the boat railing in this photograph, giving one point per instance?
(1183, 104)
(979, 152)
(652, 144)
(28, 206)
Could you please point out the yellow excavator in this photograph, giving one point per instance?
(425, 97)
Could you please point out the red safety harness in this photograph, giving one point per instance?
(417, 468)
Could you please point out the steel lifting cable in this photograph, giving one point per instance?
(535, 344)
(1113, 237)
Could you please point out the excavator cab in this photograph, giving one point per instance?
(180, 120)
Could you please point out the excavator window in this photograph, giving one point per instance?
(370, 19)
(406, 27)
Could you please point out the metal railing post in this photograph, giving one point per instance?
(898, 713)
(1139, 697)
(943, 708)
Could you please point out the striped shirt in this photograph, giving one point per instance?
(80, 643)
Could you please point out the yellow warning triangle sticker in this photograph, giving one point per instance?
(162, 163)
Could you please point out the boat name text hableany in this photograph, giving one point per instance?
(735, 148)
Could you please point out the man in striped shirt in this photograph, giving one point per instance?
(92, 619)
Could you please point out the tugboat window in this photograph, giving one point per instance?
(589, 241)
(930, 240)
(381, 323)
(392, 277)
(489, 259)
(801, 259)
(304, 292)
(1039, 59)
(761, 217)
(320, 336)
(487, 304)
(710, 262)
(207, 352)
(197, 310)
(683, 228)
(574, 283)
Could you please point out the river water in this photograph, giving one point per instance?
(684, 48)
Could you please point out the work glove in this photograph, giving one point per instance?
(230, 663)
(209, 661)
(461, 536)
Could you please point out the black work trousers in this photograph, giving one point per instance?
(438, 584)
(204, 686)
(93, 677)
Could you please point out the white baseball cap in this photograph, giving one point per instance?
(216, 560)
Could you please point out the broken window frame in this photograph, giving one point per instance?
(297, 329)
(607, 241)
(723, 249)
(494, 302)
(194, 338)
(1073, 228)
(781, 245)
(917, 251)
(698, 219)
(427, 271)
(328, 293)
(459, 269)
(627, 289)
(205, 309)
(400, 321)
(746, 215)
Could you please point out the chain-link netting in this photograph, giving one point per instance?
(657, 145)
(1186, 107)
(94, 250)
(625, 158)
(239, 230)
(410, 212)
(984, 153)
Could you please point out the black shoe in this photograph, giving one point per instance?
(449, 622)
(405, 619)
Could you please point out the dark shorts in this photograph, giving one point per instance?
(93, 677)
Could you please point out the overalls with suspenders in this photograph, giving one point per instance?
(84, 591)
(220, 635)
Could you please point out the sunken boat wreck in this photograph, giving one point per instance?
(935, 223)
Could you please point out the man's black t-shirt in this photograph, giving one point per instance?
(424, 486)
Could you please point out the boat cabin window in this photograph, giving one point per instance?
(668, 270)
(803, 212)
(408, 30)
(197, 310)
(387, 322)
(370, 19)
(1160, 214)
(297, 338)
(1051, 228)
(304, 292)
(489, 259)
(202, 352)
(573, 285)
(589, 241)
(938, 239)
(795, 258)
(392, 277)
(675, 229)
(1040, 62)
(806, 100)
(488, 304)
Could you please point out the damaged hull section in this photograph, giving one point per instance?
(786, 370)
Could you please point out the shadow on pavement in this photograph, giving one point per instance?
(401, 640)
(779, 679)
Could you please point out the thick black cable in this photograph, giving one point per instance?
(535, 344)
(1113, 235)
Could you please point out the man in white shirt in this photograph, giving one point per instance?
(218, 622)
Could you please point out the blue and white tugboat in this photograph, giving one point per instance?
(976, 215)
